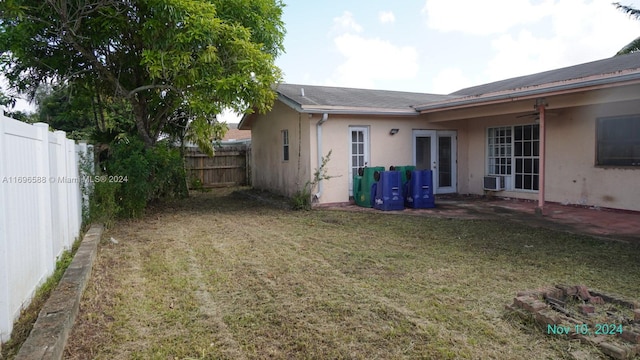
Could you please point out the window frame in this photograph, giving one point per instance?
(528, 159)
(625, 139)
(502, 157)
(285, 145)
(497, 138)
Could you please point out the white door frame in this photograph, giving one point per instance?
(435, 136)
(367, 152)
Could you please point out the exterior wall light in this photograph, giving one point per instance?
(393, 131)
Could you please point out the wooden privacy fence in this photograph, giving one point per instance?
(230, 166)
(41, 205)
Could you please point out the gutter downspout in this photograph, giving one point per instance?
(540, 106)
(322, 120)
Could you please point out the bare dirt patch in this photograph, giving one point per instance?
(225, 276)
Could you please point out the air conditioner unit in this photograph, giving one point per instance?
(494, 183)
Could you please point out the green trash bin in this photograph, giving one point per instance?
(362, 185)
(403, 171)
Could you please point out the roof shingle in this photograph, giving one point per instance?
(319, 96)
(600, 67)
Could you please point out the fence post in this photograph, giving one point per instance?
(44, 200)
(6, 320)
(75, 196)
(60, 187)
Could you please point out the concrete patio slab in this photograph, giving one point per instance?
(604, 223)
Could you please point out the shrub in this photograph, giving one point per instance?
(302, 199)
(143, 175)
(102, 204)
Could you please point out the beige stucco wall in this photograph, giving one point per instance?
(572, 176)
(269, 171)
(385, 149)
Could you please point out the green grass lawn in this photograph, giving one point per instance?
(222, 276)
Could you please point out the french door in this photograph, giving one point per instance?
(358, 151)
(436, 150)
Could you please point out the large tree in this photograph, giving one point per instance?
(634, 45)
(169, 59)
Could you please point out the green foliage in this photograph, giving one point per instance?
(86, 170)
(137, 175)
(28, 118)
(634, 45)
(195, 184)
(103, 206)
(169, 60)
(631, 47)
(632, 12)
(83, 113)
(303, 199)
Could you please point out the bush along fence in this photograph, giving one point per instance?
(41, 208)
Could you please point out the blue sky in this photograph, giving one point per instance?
(439, 46)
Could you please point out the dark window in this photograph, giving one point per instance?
(619, 141)
(285, 145)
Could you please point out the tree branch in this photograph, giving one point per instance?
(154, 86)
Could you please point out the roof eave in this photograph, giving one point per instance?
(244, 122)
(342, 110)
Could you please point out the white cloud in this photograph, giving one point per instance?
(449, 80)
(371, 59)
(581, 31)
(346, 22)
(367, 60)
(483, 17)
(386, 17)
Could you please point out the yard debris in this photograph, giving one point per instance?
(113, 240)
(582, 292)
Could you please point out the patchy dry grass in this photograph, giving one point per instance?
(221, 276)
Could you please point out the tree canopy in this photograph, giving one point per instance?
(175, 62)
(634, 45)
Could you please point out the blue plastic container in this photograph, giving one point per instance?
(389, 194)
(419, 193)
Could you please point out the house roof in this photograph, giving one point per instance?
(614, 70)
(233, 134)
(326, 99)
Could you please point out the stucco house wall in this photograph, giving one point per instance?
(269, 171)
(385, 150)
(573, 99)
(572, 175)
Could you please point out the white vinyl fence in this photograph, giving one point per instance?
(40, 209)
